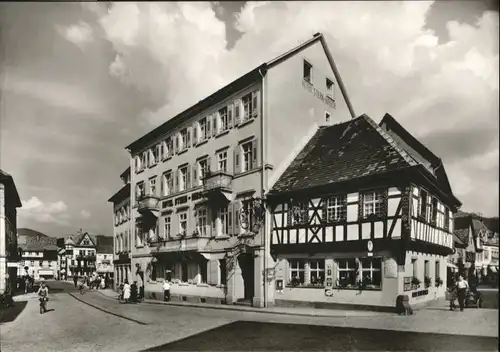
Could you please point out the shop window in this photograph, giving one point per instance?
(317, 272)
(203, 272)
(346, 272)
(372, 272)
(297, 272)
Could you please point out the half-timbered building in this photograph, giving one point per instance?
(361, 216)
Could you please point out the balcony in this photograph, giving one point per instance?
(217, 183)
(148, 203)
(176, 244)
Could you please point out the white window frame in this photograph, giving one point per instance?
(347, 268)
(152, 186)
(139, 234)
(202, 130)
(246, 156)
(223, 121)
(165, 179)
(153, 157)
(202, 221)
(182, 181)
(183, 139)
(222, 160)
(297, 269)
(246, 102)
(329, 88)
(422, 201)
(183, 220)
(335, 208)
(139, 189)
(371, 270)
(307, 78)
(202, 170)
(223, 215)
(376, 202)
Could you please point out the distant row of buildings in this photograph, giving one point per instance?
(271, 191)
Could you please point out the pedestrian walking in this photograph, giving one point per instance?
(126, 291)
(75, 280)
(166, 291)
(462, 287)
(451, 295)
(133, 292)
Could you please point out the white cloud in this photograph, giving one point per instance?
(50, 212)
(85, 214)
(389, 62)
(56, 94)
(79, 34)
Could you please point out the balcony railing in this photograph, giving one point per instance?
(218, 180)
(148, 202)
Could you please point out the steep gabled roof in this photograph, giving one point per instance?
(349, 150)
(121, 194)
(419, 152)
(462, 235)
(37, 243)
(238, 84)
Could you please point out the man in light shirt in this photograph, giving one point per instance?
(166, 291)
(462, 286)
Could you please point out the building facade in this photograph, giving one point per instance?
(9, 256)
(78, 258)
(104, 257)
(122, 231)
(39, 257)
(361, 216)
(198, 180)
(469, 231)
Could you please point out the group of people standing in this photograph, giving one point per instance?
(458, 290)
(92, 282)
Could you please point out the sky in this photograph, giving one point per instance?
(80, 81)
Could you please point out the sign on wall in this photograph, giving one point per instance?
(390, 269)
(329, 276)
(279, 285)
(407, 283)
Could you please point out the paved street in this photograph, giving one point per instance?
(93, 321)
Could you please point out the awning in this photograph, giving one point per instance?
(451, 265)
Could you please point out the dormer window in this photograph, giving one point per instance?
(249, 103)
(307, 73)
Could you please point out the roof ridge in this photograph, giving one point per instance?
(407, 157)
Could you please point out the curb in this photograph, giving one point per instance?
(106, 311)
(252, 310)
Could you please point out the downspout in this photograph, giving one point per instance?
(264, 177)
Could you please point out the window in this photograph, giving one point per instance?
(223, 271)
(427, 269)
(139, 190)
(223, 215)
(201, 221)
(166, 148)
(372, 203)
(144, 158)
(329, 88)
(183, 178)
(336, 208)
(346, 272)
(327, 117)
(297, 272)
(422, 212)
(139, 236)
(307, 74)
(434, 211)
(203, 129)
(249, 106)
(183, 140)
(371, 269)
(223, 120)
(247, 156)
(138, 164)
(317, 268)
(167, 228)
(299, 213)
(437, 268)
(153, 155)
(202, 170)
(414, 264)
(222, 161)
(167, 183)
(183, 223)
(152, 186)
(246, 208)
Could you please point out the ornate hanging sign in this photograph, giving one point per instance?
(251, 216)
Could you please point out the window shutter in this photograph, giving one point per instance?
(236, 218)
(237, 112)
(195, 174)
(189, 131)
(255, 103)
(171, 182)
(214, 272)
(214, 222)
(255, 153)
(361, 206)
(230, 116)
(237, 160)
(176, 180)
(230, 219)
(209, 163)
(188, 177)
(209, 127)
(195, 133)
(162, 188)
(215, 123)
(324, 215)
(174, 143)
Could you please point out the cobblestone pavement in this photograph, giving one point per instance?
(92, 322)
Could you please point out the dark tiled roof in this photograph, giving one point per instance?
(337, 153)
(462, 235)
(478, 226)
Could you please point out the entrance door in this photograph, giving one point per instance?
(246, 263)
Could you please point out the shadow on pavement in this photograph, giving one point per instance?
(255, 336)
(10, 314)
